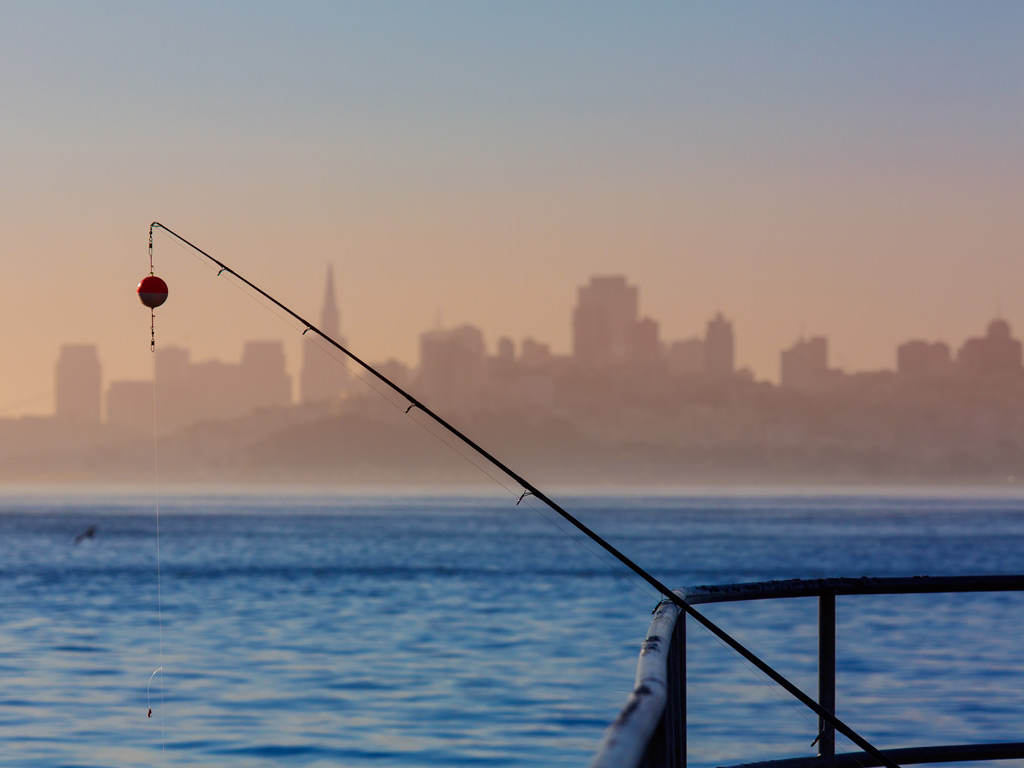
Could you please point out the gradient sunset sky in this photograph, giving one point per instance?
(852, 169)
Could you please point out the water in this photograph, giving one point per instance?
(315, 630)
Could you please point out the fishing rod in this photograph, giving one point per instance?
(529, 489)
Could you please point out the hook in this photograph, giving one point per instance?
(150, 703)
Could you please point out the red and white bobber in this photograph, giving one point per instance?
(152, 291)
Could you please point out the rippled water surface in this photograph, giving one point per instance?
(308, 630)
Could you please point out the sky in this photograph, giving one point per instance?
(849, 169)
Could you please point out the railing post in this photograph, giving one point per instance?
(681, 677)
(827, 672)
(668, 746)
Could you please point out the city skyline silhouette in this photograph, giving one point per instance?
(609, 337)
(852, 170)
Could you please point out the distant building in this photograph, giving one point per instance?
(188, 392)
(805, 364)
(452, 367)
(606, 328)
(78, 384)
(645, 345)
(323, 378)
(172, 366)
(603, 320)
(214, 390)
(506, 350)
(921, 359)
(719, 354)
(995, 355)
(501, 372)
(263, 370)
(687, 357)
(534, 354)
(396, 371)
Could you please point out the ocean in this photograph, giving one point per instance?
(319, 629)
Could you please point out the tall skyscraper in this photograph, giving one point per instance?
(719, 355)
(604, 321)
(323, 378)
(78, 384)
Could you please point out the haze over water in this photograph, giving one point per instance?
(851, 169)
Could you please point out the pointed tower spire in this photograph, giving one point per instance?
(330, 320)
(322, 379)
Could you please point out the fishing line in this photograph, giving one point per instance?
(156, 498)
(532, 490)
(356, 373)
(454, 448)
(524, 498)
(801, 712)
(613, 565)
(429, 426)
(288, 319)
(153, 293)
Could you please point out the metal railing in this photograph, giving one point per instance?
(640, 738)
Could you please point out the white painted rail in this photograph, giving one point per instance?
(657, 706)
(625, 741)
